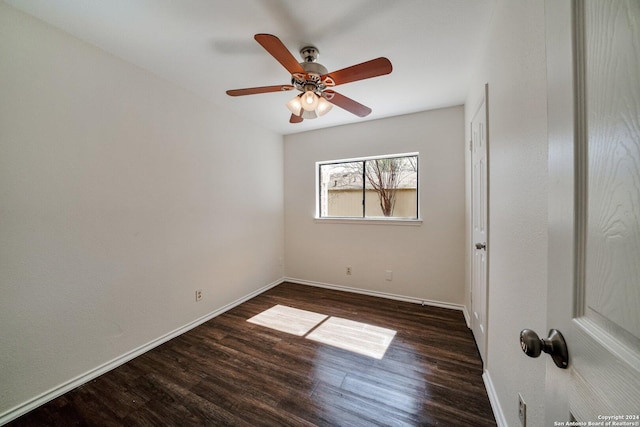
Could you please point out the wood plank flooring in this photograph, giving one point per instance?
(234, 373)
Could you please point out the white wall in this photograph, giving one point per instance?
(427, 260)
(514, 65)
(120, 194)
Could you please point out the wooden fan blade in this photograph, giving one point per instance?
(278, 50)
(255, 90)
(366, 70)
(346, 103)
(295, 119)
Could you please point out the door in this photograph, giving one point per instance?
(593, 296)
(479, 210)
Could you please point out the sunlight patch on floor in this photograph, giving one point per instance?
(357, 337)
(288, 319)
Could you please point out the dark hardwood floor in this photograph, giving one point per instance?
(231, 372)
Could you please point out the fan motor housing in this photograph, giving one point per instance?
(314, 68)
(309, 56)
(311, 79)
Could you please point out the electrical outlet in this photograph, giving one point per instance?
(348, 271)
(198, 295)
(522, 411)
(388, 275)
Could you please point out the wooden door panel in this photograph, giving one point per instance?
(479, 220)
(606, 349)
(594, 211)
(612, 94)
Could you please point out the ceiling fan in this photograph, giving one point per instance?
(314, 81)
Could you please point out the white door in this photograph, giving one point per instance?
(593, 70)
(479, 193)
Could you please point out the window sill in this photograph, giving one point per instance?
(369, 221)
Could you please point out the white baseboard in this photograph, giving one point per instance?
(493, 399)
(67, 386)
(383, 295)
(467, 318)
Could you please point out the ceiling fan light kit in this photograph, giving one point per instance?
(313, 81)
(316, 107)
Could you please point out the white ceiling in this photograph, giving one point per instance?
(207, 47)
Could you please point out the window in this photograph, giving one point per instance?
(384, 187)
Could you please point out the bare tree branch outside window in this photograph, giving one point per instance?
(385, 176)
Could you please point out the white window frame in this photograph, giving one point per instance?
(366, 220)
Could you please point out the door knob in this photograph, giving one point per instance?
(555, 346)
(481, 246)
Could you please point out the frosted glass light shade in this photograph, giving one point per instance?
(295, 105)
(323, 107)
(309, 101)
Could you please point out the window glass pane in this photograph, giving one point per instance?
(341, 190)
(391, 187)
(369, 187)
